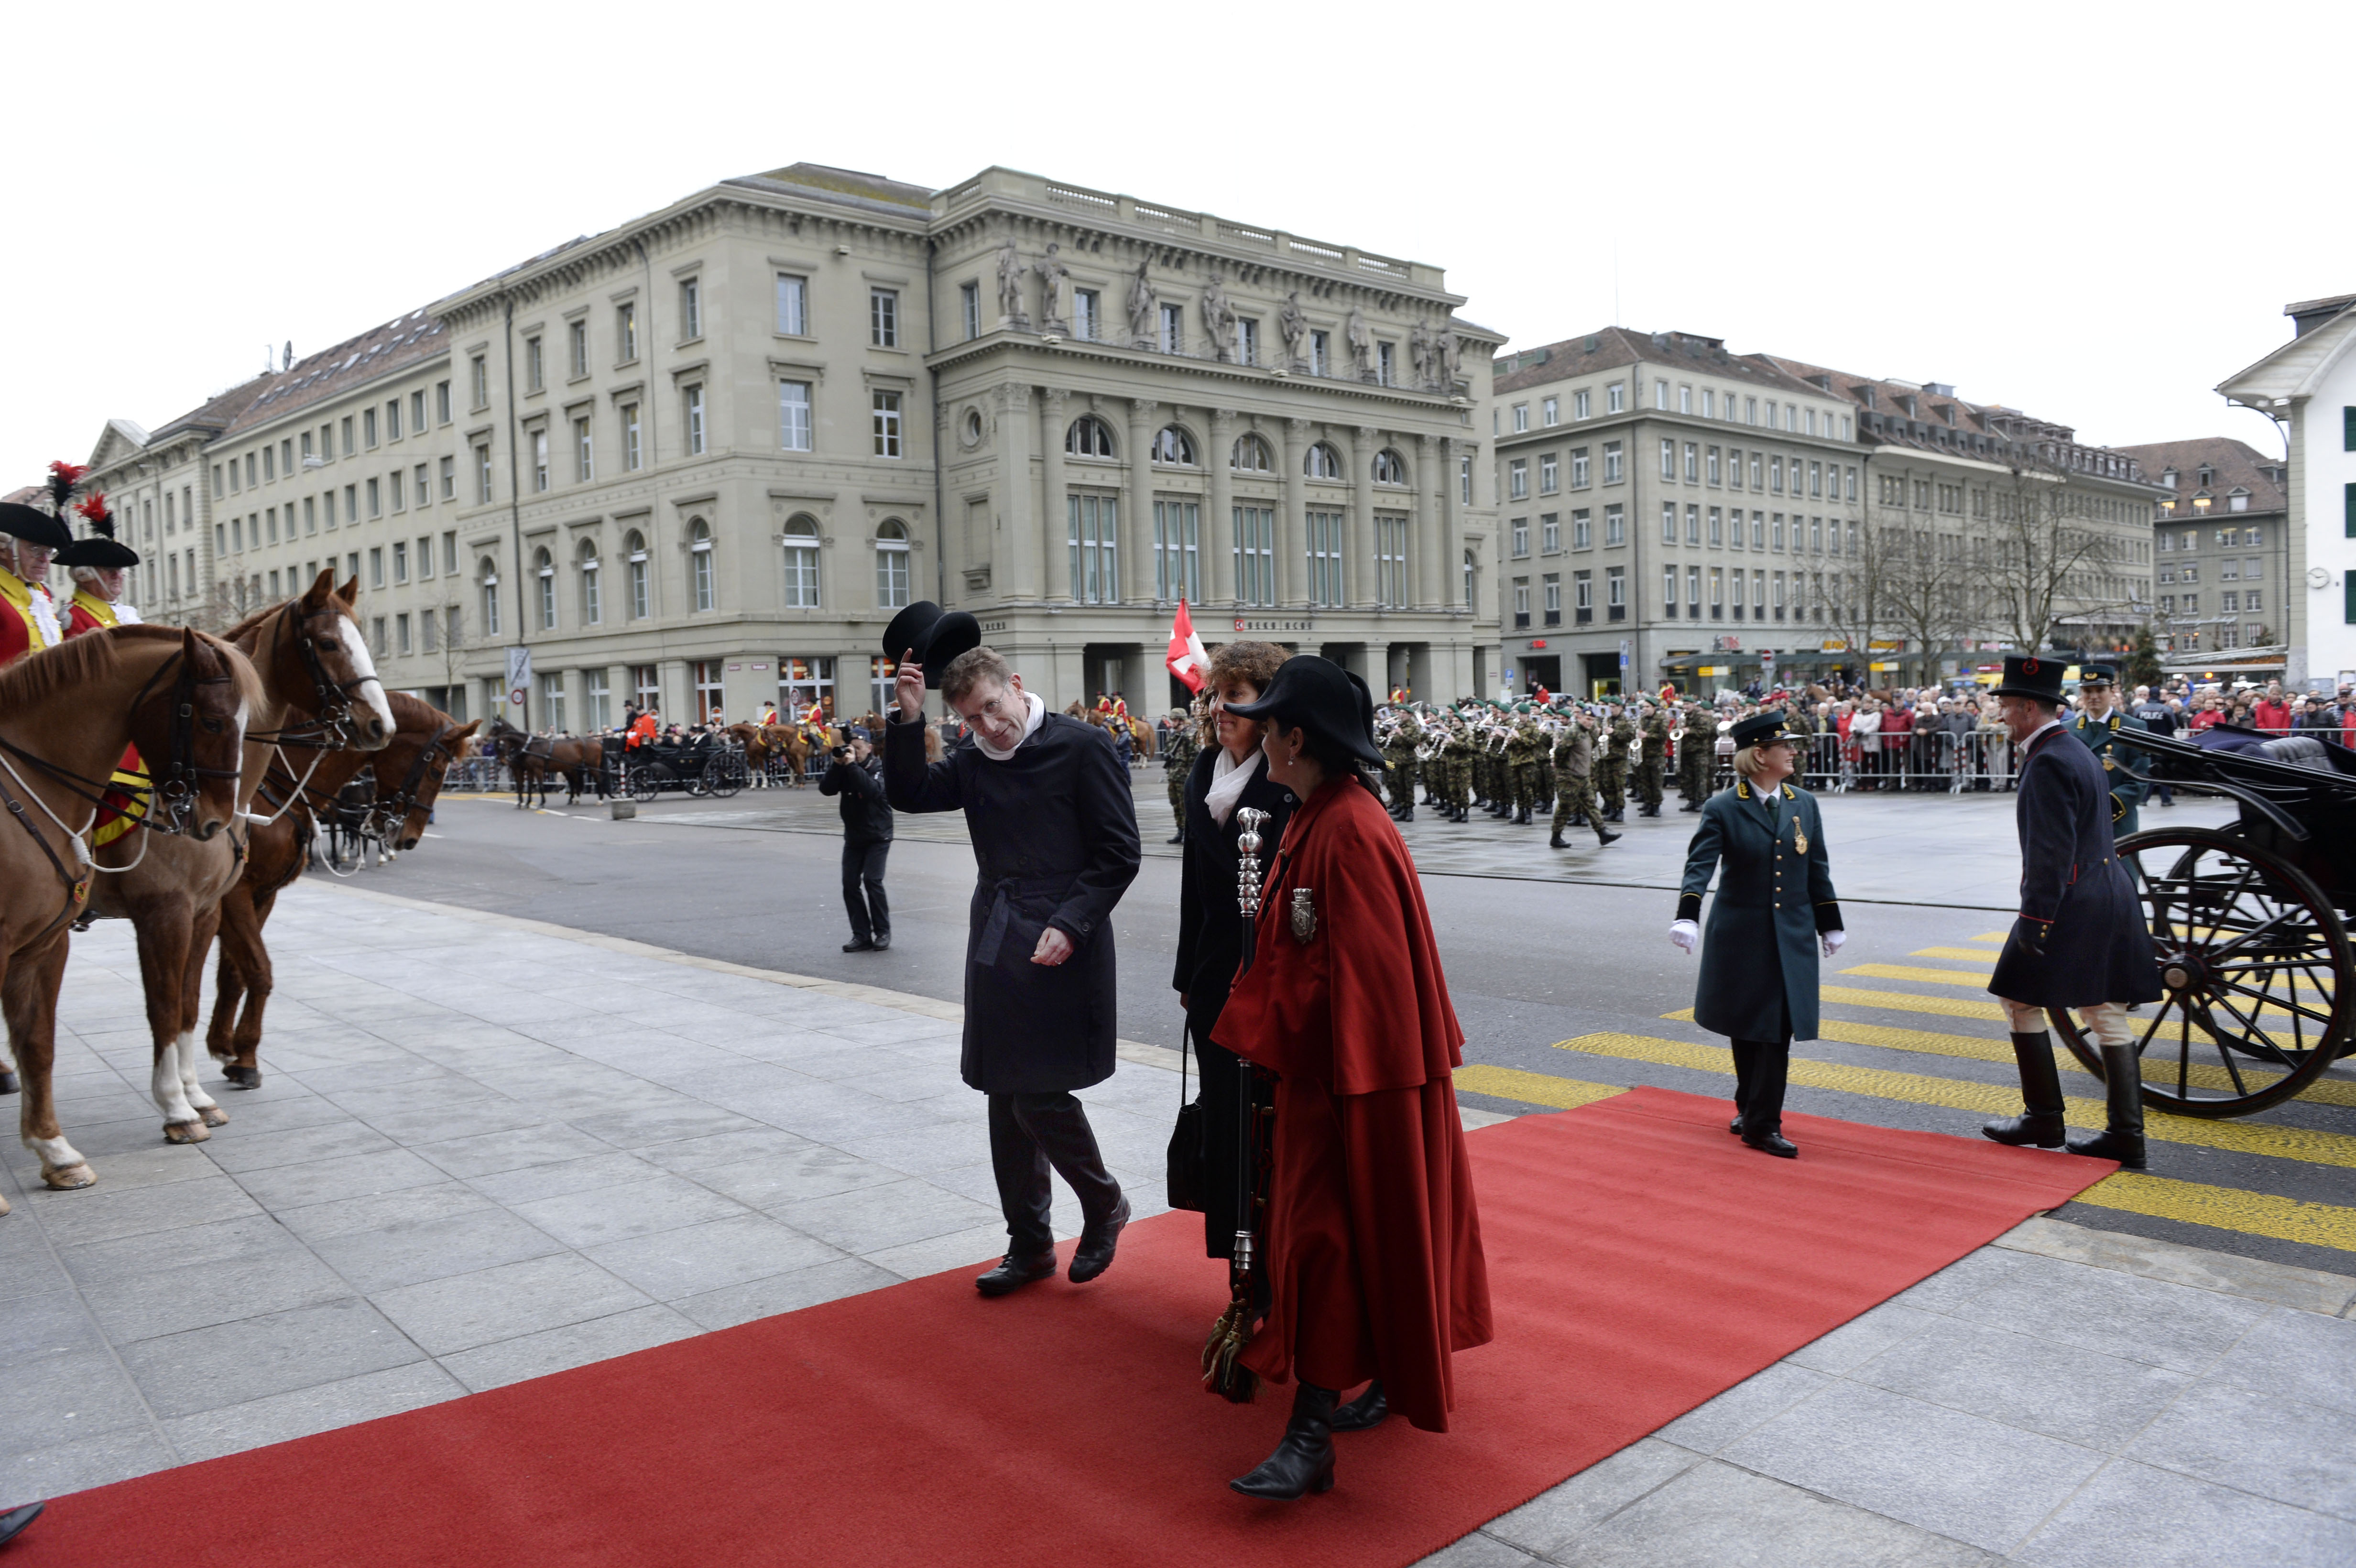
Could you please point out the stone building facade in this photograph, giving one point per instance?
(2220, 551)
(702, 459)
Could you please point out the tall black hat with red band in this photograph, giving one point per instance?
(2031, 675)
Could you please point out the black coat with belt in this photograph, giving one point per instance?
(1055, 842)
(1775, 897)
(2072, 889)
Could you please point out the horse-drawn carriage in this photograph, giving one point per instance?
(706, 765)
(2250, 921)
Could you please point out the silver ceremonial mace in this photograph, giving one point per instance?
(1248, 845)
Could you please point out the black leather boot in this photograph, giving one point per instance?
(1366, 1411)
(1522, 817)
(2041, 1092)
(1605, 836)
(1303, 1461)
(2122, 1088)
(1554, 841)
(1408, 815)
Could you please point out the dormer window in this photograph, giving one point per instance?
(2206, 473)
(2168, 478)
(2237, 500)
(2201, 503)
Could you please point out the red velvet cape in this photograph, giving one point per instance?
(1373, 1242)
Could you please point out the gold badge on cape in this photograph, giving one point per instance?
(2108, 765)
(1800, 840)
(1304, 916)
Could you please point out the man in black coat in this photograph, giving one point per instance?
(2080, 940)
(1055, 837)
(856, 774)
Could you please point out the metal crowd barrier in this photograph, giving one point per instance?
(1930, 762)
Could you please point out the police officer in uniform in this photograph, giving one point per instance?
(2127, 769)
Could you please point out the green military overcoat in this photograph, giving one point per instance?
(2125, 769)
(1774, 895)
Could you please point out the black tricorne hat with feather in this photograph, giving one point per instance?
(100, 548)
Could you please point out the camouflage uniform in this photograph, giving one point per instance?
(1697, 750)
(1611, 766)
(1574, 798)
(1652, 762)
(1178, 761)
(1523, 749)
(1398, 765)
(1456, 764)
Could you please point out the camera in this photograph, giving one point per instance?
(838, 753)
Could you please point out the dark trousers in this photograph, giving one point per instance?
(1761, 1069)
(1222, 1097)
(1029, 1133)
(862, 889)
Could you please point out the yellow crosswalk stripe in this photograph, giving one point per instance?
(1907, 1002)
(2303, 1144)
(1533, 1088)
(2226, 1208)
(1997, 936)
(1961, 954)
(2325, 1092)
(1916, 973)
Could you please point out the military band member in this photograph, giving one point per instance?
(1398, 765)
(2080, 940)
(1613, 753)
(1178, 754)
(1776, 909)
(1574, 797)
(1652, 761)
(2125, 769)
(1697, 750)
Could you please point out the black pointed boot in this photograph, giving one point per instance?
(1363, 1413)
(1303, 1461)
(2122, 1088)
(2041, 1092)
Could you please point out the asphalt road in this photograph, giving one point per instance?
(1530, 962)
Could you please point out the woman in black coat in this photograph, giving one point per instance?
(1210, 923)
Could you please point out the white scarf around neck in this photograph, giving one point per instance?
(45, 615)
(1031, 722)
(1228, 778)
(126, 614)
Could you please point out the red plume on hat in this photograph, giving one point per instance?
(63, 478)
(93, 512)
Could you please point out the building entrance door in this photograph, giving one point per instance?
(1602, 673)
(1544, 669)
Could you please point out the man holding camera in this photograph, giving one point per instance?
(856, 774)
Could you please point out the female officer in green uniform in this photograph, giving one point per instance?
(1775, 904)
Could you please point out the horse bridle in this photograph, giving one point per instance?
(405, 800)
(332, 729)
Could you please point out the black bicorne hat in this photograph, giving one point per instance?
(1323, 698)
(34, 526)
(99, 551)
(2031, 675)
(1762, 730)
(935, 636)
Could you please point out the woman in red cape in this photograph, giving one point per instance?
(1372, 1242)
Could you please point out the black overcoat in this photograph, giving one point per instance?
(1775, 894)
(1055, 843)
(2073, 887)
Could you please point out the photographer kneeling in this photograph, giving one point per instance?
(856, 774)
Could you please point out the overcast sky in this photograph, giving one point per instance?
(2091, 213)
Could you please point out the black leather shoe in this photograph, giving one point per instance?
(1012, 1274)
(860, 945)
(1365, 1411)
(1303, 1461)
(1735, 1126)
(12, 1522)
(881, 944)
(2125, 1147)
(2043, 1132)
(1775, 1144)
(1093, 1254)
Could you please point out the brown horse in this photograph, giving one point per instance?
(312, 662)
(765, 743)
(531, 760)
(66, 714)
(409, 771)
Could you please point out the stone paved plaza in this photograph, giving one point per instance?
(487, 1149)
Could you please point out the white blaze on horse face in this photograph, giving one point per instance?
(371, 690)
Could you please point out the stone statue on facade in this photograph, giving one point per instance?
(1451, 356)
(1219, 319)
(1010, 288)
(1362, 344)
(1141, 301)
(1423, 354)
(1051, 273)
(1293, 323)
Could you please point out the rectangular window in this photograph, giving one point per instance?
(1550, 598)
(690, 310)
(1817, 484)
(1549, 473)
(600, 697)
(970, 310)
(1579, 404)
(1668, 460)
(793, 305)
(310, 515)
(376, 630)
(1246, 340)
(1324, 558)
(887, 424)
(551, 699)
(482, 478)
(1177, 550)
(1693, 592)
(376, 499)
(1094, 541)
(793, 415)
(1254, 529)
(1713, 465)
(450, 559)
(270, 459)
(1551, 410)
(539, 464)
(1464, 478)
(1521, 603)
(1582, 530)
(692, 402)
(801, 567)
(1693, 525)
(577, 343)
(1521, 418)
(626, 332)
(883, 317)
(1615, 526)
(1668, 522)
(442, 402)
(1685, 399)
(1550, 532)
(1615, 594)
(1517, 479)
(1758, 530)
(1088, 316)
(1387, 364)
(1716, 528)
(1582, 597)
(424, 488)
(1661, 396)
(535, 371)
(1174, 329)
(1520, 533)
(400, 498)
(1616, 398)
(400, 561)
(1669, 592)
(376, 566)
(1579, 468)
(1390, 561)
(478, 377)
(1612, 468)
(1693, 464)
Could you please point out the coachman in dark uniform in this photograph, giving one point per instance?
(2080, 939)
(1775, 908)
(2125, 768)
(1054, 838)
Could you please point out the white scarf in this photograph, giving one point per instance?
(126, 614)
(1030, 727)
(44, 617)
(1228, 778)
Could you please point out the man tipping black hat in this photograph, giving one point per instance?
(931, 636)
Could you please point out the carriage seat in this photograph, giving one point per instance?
(2299, 751)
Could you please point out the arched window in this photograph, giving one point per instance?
(543, 567)
(634, 553)
(698, 562)
(1173, 445)
(1390, 469)
(593, 599)
(1088, 437)
(802, 563)
(488, 575)
(892, 566)
(1322, 461)
(1252, 455)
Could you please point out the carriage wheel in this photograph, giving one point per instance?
(722, 777)
(645, 780)
(2257, 967)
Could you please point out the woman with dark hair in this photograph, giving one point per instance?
(1231, 775)
(1370, 1241)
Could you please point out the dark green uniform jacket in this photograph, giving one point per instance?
(1758, 951)
(2123, 767)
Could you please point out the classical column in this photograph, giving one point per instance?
(1219, 515)
(1429, 584)
(1137, 516)
(1291, 543)
(1054, 513)
(1361, 564)
(1451, 530)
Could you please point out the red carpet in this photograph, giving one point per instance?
(1641, 1260)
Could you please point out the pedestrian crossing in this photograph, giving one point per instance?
(1922, 989)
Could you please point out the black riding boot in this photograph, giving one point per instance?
(1365, 1411)
(1303, 1461)
(2123, 1087)
(2041, 1092)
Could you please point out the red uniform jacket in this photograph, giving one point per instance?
(1372, 1242)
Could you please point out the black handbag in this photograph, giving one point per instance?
(1184, 1176)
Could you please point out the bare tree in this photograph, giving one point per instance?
(454, 646)
(2051, 563)
(1926, 585)
(1861, 601)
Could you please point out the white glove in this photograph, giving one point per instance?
(1833, 940)
(1684, 933)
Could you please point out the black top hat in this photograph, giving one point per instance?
(2097, 674)
(934, 634)
(1323, 698)
(34, 526)
(2031, 675)
(1762, 730)
(98, 549)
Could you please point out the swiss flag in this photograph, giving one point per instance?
(1186, 659)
